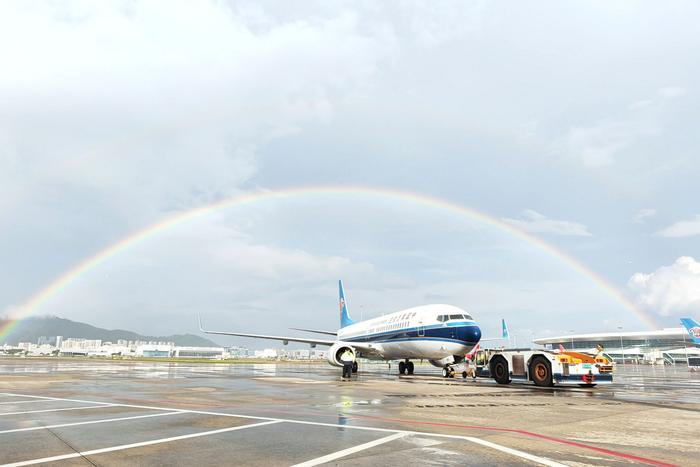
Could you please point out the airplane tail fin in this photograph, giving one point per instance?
(344, 315)
(693, 329)
(504, 327)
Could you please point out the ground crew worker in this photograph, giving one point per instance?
(471, 371)
(347, 358)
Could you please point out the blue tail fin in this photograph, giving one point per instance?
(693, 329)
(344, 316)
(504, 327)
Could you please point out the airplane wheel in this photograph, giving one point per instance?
(464, 374)
(354, 367)
(402, 368)
(445, 373)
(409, 367)
(452, 372)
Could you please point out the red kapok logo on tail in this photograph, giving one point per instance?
(695, 332)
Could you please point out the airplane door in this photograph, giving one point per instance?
(421, 329)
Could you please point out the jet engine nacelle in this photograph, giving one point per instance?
(451, 360)
(336, 351)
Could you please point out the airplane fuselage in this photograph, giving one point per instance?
(425, 332)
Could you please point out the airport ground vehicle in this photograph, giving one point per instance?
(543, 367)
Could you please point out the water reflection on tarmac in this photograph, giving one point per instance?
(635, 383)
(283, 413)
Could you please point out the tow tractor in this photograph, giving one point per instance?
(543, 367)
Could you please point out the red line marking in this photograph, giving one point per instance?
(531, 434)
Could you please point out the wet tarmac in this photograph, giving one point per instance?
(81, 412)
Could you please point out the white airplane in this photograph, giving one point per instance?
(441, 334)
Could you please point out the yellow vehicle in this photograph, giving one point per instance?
(543, 367)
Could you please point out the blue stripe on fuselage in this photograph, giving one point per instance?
(465, 332)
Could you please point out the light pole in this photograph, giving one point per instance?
(622, 347)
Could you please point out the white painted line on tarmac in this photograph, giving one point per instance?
(22, 402)
(82, 407)
(46, 398)
(517, 453)
(90, 422)
(134, 445)
(346, 452)
(514, 452)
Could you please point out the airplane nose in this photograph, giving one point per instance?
(476, 334)
(470, 334)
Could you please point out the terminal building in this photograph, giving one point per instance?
(666, 346)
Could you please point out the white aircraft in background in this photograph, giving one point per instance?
(441, 334)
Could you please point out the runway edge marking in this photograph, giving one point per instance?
(122, 447)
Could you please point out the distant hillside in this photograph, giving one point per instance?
(30, 329)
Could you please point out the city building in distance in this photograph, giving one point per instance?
(58, 346)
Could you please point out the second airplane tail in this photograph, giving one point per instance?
(693, 329)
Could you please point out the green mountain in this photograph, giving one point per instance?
(30, 329)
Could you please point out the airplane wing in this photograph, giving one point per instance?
(284, 339)
(316, 331)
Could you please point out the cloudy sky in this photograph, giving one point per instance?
(573, 121)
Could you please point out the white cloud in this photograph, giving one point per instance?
(600, 143)
(533, 221)
(670, 290)
(671, 92)
(641, 104)
(687, 228)
(643, 214)
(166, 104)
(596, 145)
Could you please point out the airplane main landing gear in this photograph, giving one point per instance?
(406, 367)
(448, 372)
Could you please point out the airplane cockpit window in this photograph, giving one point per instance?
(442, 318)
(456, 317)
(468, 316)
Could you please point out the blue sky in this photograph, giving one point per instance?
(574, 121)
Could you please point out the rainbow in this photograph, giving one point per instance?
(65, 280)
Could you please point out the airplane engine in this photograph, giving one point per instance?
(452, 359)
(336, 351)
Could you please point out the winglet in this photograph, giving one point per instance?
(199, 321)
